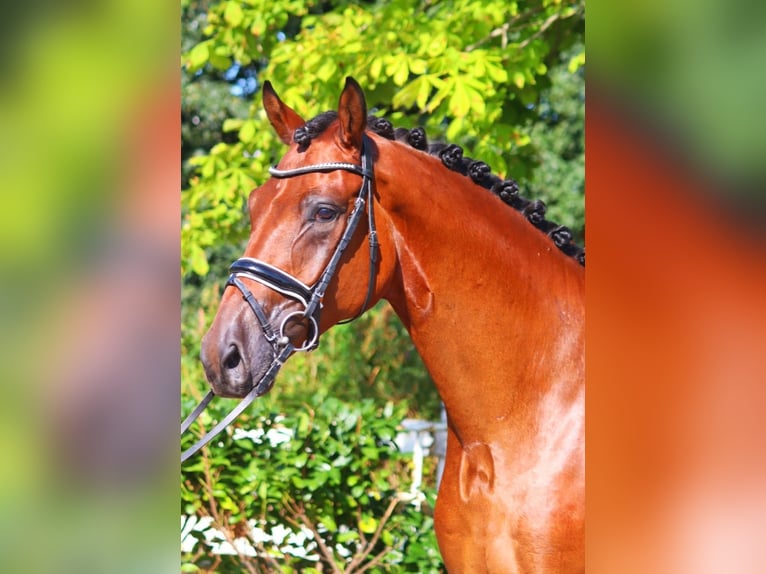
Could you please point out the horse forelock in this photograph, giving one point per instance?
(451, 156)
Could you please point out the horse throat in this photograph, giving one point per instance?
(416, 294)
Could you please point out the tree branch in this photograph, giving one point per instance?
(263, 554)
(501, 31)
(547, 24)
(513, 24)
(361, 556)
(374, 561)
(219, 520)
(327, 554)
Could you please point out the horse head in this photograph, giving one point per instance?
(305, 267)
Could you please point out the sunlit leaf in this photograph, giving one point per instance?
(402, 72)
(368, 524)
(198, 56)
(199, 263)
(233, 13)
(231, 124)
(329, 523)
(576, 62)
(247, 131)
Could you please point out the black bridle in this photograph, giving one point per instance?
(310, 297)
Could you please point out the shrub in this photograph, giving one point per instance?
(319, 489)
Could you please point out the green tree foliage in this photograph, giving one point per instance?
(558, 134)
(207, 99)
(470, 72)
(503, 79)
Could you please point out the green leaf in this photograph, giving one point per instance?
(496, 73)
(357, 491)
(444, 89)
(329, 523)
(376, 68)
(220, 58)
(231, 124)
(326, 70)
(300, 460)
(247, 132)
(418, 66)
(368, 524)
(576, 62)
(460, 102)
(199, 263)
(198, 56)
(409, 94)
(436, 46)
(424, 91)
(304, 424)
(298, 482)
(233, 13)
(371, 452)
(402, 73)
(350, 536)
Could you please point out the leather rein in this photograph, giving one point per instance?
(310, 297)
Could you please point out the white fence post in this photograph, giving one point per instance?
(423, 438)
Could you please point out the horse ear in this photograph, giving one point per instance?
(352, 112)
(284, 119)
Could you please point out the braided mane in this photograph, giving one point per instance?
(452, 157)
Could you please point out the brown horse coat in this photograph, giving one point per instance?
(494, 308)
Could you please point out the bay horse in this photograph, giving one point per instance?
(492, 297)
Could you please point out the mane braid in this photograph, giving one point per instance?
(452, 157)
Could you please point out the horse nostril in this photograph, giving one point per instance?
(232, 358)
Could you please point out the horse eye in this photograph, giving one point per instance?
(325, 214)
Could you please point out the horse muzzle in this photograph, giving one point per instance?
(239, 357)
(232, 362)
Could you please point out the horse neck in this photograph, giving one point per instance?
(494, 309)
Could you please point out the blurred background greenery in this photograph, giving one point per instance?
(504, 80)
(89, 192)
(690, 72)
